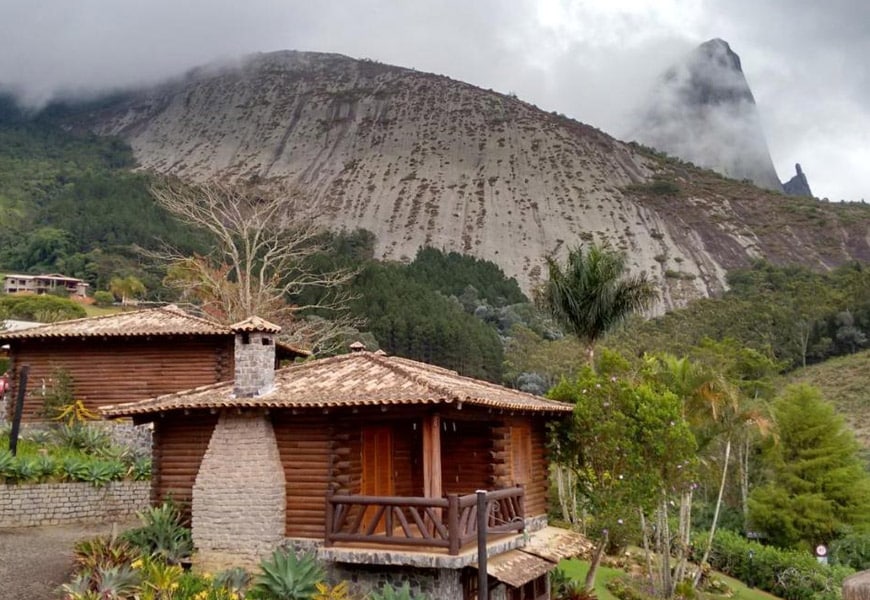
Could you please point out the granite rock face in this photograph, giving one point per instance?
(423, 160)
(703, 111)
(798, 185)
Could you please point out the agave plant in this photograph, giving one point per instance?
(162, 535)
(79, 588)
(116, 583)
(287, 577)
(140, 470)
(388, 592)
(233, 580)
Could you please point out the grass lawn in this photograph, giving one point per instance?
(98, 311)
(576, 569)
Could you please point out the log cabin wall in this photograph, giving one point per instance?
(537, 489)
(115, 370)
(537, 486)
(407, 453)
(466, 461)
(180, 442)
(308, 446)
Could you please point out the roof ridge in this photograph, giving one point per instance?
(390, 363)
(480, 382)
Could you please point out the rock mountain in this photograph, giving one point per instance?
(703, 111)
(422, 159)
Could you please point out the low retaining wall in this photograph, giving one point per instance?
(33, 504)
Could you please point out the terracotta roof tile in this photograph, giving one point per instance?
(516, 568)
(167, 320)
(358, 379)
(255, 324)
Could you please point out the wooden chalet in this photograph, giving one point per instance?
(122, 357)
(372, 460)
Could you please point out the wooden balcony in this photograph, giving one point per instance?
(443, 524)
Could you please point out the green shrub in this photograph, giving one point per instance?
(25, 470)
(100, 472)
(285, 576)
(57, 394)
(789, 574)
(103, 551)
(80, 436)
(852, 550)
(73, 468)
(621, 588)
(103, 299)
(140, 470)
(46, 467)
(7, 465)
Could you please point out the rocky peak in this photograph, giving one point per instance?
(798, 185)
(703, 111)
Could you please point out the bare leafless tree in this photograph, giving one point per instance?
(259, 263)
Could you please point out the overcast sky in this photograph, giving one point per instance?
(590, 59)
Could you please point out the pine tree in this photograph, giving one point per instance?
(816, 485)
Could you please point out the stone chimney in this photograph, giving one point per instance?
(254, 357)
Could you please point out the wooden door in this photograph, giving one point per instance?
(377, 467)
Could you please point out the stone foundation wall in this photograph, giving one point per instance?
(30, 505)
(239, 494)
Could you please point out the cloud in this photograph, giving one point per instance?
(588, 59)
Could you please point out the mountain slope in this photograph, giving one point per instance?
(421, 159)
(845, 382)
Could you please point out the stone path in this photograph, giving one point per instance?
(35, 561)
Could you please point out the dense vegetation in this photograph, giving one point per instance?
(796, 315)
(70, 203)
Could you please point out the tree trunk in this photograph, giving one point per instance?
(685, 535)
(646, 550)
(590, 355)
(665, 549)
(743, 463)
(563, 484)
(589, 585)
(709, 547)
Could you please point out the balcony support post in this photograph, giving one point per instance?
(432, 457)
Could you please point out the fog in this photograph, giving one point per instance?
(593, 61)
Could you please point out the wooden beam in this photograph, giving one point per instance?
(432, 456)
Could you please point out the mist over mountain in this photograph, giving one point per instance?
(703, 111)
(421, 159)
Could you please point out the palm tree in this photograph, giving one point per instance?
(593, 294)
(126, 288)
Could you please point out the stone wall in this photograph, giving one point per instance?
(29, 505)
(239, 498)
(255, 363)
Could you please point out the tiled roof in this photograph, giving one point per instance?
(358, 379)
(255, 324)
(167, 320)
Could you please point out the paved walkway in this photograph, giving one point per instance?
(35, 561)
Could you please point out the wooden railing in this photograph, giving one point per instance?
(449, 523)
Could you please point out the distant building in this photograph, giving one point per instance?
(44, 284)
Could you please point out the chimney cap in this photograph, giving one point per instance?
(357, 347)
(255, 324)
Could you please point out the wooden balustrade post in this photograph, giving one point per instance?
(521, 506)
(482, 526)
(453, 533)
(330, 515)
